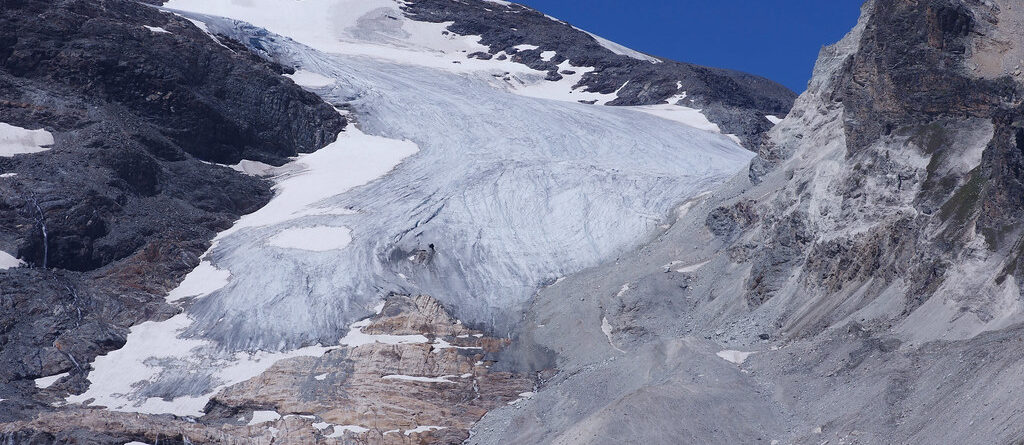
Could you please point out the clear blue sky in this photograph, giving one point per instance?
(777, 39)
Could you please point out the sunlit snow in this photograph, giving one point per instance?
(8, 261)
(17, 140)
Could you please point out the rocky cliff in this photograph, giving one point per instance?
(860, 284)
(144, 108)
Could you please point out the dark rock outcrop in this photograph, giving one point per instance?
(129, 196)
(737, 102)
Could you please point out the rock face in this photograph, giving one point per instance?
(869, 259)
(141, 103)
(410, 374)
(737, 102)
(859, 283)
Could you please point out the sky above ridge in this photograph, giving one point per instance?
(777, 39)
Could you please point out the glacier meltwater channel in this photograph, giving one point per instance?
(450, 183)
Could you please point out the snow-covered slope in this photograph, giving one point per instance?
(451, 185)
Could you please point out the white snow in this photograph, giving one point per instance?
(737, 357)
(136, 443)
(340, 430)
(203, 280)
(310, 79)
(693, 267)
(259, 417)
(678, 113)
(412, 378)
(423, 429)
(321, 376)
(116, 375)
(773, 119)
(606, 327)
(156, 30)
(440, 344)
(17, 140)
(370, 28)
(356, 337)
(254, 168)
(353, 160)
(46, 382)
(526, 47)
(565, 90)
(8, 261)
(315, 239)
(8, 175)
(548, 55)
(622, 50)
(622, 290)
(523, 396)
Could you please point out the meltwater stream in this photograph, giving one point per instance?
(450, 186)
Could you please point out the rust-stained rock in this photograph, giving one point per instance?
(417, 375)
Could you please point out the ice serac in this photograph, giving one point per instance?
(869, 259)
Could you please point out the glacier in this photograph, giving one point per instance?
(450, 184)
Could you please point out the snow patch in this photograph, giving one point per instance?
(523, 396)
(412, 378)
(46, 382)
(737, 357)
(678, 113)
(606, 327)
(17, 140)
(692, 268)
(773, 119)
(356, 337)
(310, 79)
(440, 344)
(8, 261)
(622, 290)
(548, 55)
(156, 30)
(321, 377)
(254, 168)
(620, 49)
(259, 417)
(8, 175)
(203, 280)
(423, 429)
(526, 47)
(152, 345)
(362, 158)
(340, 430)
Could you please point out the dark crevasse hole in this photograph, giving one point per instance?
(1019, 136)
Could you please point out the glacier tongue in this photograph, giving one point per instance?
(504, 194)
